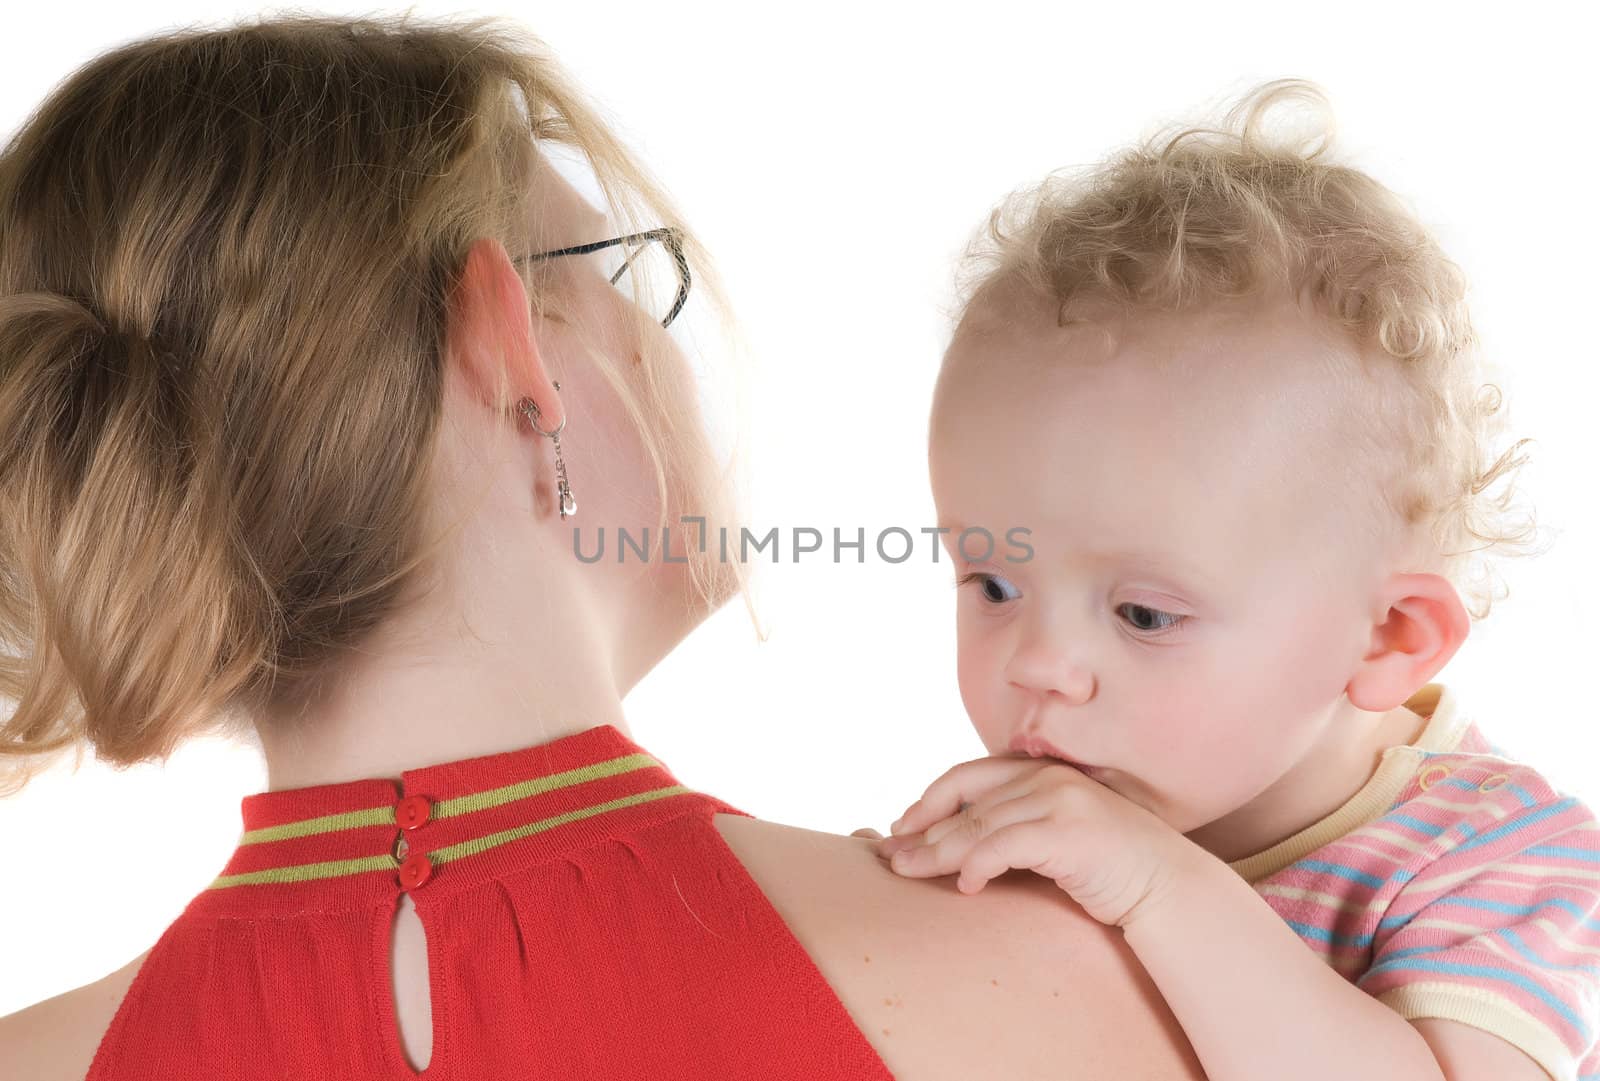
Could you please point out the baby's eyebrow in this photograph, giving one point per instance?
(1183, 573)
(1146, 559)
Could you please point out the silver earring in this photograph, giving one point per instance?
(530, 409)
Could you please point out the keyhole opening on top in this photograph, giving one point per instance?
(411, 995)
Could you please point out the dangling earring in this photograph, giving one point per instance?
(530, 409)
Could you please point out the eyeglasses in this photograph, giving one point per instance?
(648, 268)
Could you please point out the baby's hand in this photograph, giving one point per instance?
(872, 835)
(984, 817)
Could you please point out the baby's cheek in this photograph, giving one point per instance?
(979, 681)
(1180, 752)
(1167, 720)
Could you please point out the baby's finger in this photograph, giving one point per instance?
(1031, 845)
(949, 852)
(962, 783)
(983, 810)
(931, 861)
(868, 832)
(888, 846)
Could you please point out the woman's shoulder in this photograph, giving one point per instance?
(1015, 980)
(57, 1038)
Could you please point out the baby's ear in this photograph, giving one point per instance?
(1424, 623)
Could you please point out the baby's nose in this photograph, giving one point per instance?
(1047, 670)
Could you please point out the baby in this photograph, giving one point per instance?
(1229, 388)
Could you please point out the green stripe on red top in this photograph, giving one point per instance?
(442, 827)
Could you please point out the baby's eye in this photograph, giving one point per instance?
(1148, 620)
(993, 586)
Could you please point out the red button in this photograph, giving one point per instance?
(416, 870)
(412, 812)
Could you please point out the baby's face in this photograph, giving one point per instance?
(1200, 586)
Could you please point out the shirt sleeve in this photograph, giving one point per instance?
(1502, 932)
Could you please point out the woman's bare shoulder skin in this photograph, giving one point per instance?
(1012, 982)
(55, 1040)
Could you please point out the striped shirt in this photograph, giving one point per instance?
(1457, 883)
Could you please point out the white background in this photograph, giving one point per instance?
(835, 157)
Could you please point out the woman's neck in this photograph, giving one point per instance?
(440, 688)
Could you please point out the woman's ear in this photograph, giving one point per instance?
(1423, 624)
(491, 328)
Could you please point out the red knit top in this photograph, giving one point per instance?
(584, 919)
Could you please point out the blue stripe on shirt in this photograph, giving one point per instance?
(1517, 823)
(1447, 968)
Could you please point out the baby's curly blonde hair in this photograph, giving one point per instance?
(1201, 215)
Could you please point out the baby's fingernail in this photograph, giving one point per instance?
(894, 827)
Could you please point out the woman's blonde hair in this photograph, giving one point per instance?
(225, 257)
(1195, 215)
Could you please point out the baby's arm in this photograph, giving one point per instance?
(1257, 1004)
(1253, 999)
